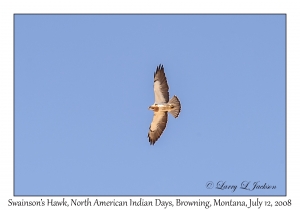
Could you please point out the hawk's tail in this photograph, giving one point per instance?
(177, 107)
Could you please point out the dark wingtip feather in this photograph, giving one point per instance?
(160, 67)
(151, 141)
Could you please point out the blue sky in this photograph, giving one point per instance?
(83, 85)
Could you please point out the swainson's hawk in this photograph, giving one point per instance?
(162, 105)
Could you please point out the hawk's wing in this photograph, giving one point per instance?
(157, 126)
(161, 88)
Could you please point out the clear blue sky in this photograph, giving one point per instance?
(83, 85)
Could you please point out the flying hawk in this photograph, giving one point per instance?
(162, 105)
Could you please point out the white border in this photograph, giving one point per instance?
(8, 8)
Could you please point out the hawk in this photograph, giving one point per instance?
(162, 105)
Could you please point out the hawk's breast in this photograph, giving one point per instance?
(164, 107)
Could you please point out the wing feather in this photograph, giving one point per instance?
(161, 88)
(157, 126)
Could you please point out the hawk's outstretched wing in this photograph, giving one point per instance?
(157, 126)
(161, 88)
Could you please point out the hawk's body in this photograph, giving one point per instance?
(162, 105)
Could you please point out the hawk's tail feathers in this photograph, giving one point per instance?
(177, 106)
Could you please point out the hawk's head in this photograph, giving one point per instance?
(154, 107)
